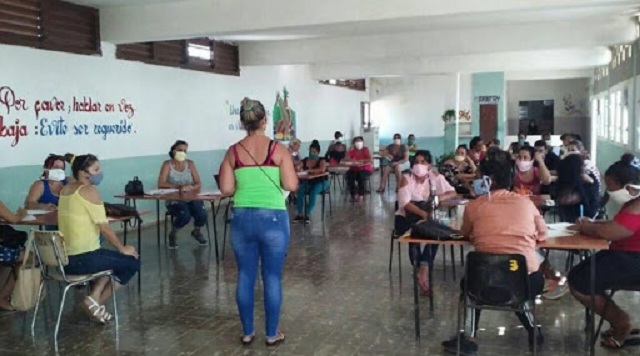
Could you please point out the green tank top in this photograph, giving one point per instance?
(258, 186)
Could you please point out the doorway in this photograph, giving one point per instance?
(488, 121)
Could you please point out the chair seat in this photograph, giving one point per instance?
(78, 278)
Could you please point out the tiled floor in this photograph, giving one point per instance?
(339, 300)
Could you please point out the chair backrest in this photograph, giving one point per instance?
(217, 178)
(50, 248)
(497, 279)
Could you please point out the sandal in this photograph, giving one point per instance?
(247, 340)
(97, 312)
(380, 190)
(279, 339)
(611, 343)
(609, 333)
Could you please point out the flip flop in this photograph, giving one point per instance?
(279, 339)
(609, 333)
(247, 340)
(611, 343)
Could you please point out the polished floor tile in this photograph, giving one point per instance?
(339, 299)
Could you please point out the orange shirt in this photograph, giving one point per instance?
(505, 222)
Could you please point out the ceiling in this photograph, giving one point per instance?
(371, 35)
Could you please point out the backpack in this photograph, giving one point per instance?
(134, 187)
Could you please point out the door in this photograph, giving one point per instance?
(488, 121)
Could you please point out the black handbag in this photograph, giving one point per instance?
(432, 230)
(11, 238)
(134, 187)
(122, 211)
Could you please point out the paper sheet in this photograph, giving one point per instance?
(38, 212)
(161, 191)
(559, 230)
(209, 193)
(29, 218)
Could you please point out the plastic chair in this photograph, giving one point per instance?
(51, 252)
(497, 282)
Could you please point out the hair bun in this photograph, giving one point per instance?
(69, 157)
(628, 158)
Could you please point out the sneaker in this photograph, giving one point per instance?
(197, 235)
(307, 220)
(559, 291)
(467, 347)
(298, 218)
(172, 240)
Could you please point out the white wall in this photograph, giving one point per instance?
(577, 89)
(416, 104)
(169, 104)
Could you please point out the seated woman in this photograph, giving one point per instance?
(576, 147)
(337, 150)
(460, 169)
(415, 189)
(477, 150)
(45, 192)
(617, 266)
(357, 175)
(181, 173)
(412, 146)
(500, 221)
(8, 266)
(577, 190)
(294, 149)
(397, 161)
(314, 164)
(82, 219)
(527, 177)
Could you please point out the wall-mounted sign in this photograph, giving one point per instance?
(488, 99)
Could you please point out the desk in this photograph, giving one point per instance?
(574, 242)
(52, 219)
(308, 177)
(180, 196)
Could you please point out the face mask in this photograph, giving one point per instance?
(524, 166)
(458, 158)
(294, 154)
(313, 156)
(359, 145)
(521, 141)
(95, 179)
(411, 142)
(180, 156)
(622, 196)
(397, 141)
(56, 175)
(420, 170)
(337, 141)
(548, 143)
(482, 186)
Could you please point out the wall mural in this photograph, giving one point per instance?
(25, 119)
(284, 118)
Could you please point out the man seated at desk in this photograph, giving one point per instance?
(500, 221)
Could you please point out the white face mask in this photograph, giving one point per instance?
(397, 141)
(458, 158)
(180, 156)
(56, 175)
(359, 145)
(548, 143)
(524, 166)
(622, 196)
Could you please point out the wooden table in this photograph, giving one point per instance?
(52, 219)
(573, 242)
(184, 197)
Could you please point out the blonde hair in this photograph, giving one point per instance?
(295, 141)
(251, 113)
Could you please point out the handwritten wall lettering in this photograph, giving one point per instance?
(54, 116)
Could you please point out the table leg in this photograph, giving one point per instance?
(158, 220)
(125, 231)
(431, 264)
(592, 305)
(416, 304)
(215, 230)
(140, 255)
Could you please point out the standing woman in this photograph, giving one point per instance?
(260, 225)
(181, 173)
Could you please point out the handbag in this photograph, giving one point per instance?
(134, 187)
(28, 281)
(11, 238)
(122, 211)
(432, 230)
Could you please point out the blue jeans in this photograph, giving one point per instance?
(313, 189)
(260, 235)
(182, 211)
(124, 267)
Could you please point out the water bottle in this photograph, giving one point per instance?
(433, 199)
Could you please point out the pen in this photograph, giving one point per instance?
(581, 210)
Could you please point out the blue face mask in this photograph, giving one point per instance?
(482, 186)
(313, 156)
(95, 179)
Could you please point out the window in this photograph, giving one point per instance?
(200, 54)
(618, 117)
(355, 84)
(605, 113)
(365, 113)
(52, 25)
(612, 117)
